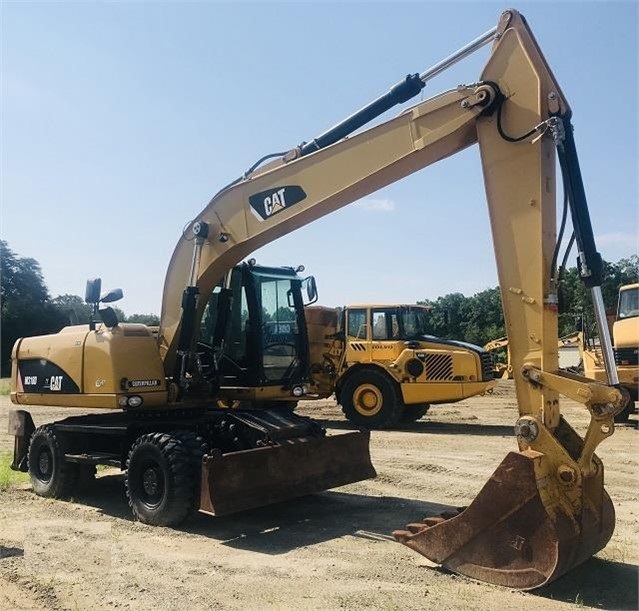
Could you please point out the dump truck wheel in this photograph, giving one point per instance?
(412, 413)
(370, 399)
(624, 415)
(51, 475)
(159, 482)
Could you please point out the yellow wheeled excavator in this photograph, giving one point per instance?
(542, 512)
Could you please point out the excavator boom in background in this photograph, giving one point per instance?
(542, 512)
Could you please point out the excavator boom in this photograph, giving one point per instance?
(545, 509)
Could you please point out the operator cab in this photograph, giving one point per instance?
(258, 328)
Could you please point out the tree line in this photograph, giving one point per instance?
(28, 309)
(480, 318)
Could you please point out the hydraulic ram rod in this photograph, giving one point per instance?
(399, 93)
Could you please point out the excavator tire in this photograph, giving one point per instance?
(160, 482)
(197, 448)
(371, 400)
(51, 475)
(413, 413)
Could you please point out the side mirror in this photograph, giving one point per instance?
(109, 317)
(92, 294)
(111, 296)
(311, 290)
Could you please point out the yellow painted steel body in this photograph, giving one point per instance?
(561, 513)
(625, 334)
(94, 369)
(449, 373)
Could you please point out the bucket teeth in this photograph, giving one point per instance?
(402, 535)
(417, 527)
(433, 520)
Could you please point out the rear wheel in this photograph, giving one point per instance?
(160, 484)
(370, 399)
(51, 475)
(412, 413)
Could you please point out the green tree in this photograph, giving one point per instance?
(26, 308)
(73, 308)
(151, 320)
(575, 303)
(475, 319)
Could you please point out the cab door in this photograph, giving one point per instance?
(358, 336)
(386, 343)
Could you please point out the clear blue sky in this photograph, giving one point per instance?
(120, 120)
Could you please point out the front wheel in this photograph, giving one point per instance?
(51, 475)
(160, 483)
(412, 413)
(370, 399)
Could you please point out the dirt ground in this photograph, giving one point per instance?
(328, 551)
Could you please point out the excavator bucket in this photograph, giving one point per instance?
(253, 478)
(507, 537)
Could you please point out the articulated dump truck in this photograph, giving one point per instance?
(385, 368)
(542, 512)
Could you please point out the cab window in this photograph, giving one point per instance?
(356, 325)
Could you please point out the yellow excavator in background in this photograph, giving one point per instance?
(542, 512)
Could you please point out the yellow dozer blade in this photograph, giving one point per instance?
(253, 478)
(508, 536)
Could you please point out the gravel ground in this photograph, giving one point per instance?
(327, 551)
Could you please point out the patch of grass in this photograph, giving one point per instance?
(5, 386)
(8, 477)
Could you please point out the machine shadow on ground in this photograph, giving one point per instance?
(599, 583)
(434, 428)
(282, 527)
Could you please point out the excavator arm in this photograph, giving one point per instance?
(545, 509)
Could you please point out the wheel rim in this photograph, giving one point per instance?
(368, 400)
(151, 489)
(44, 465)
